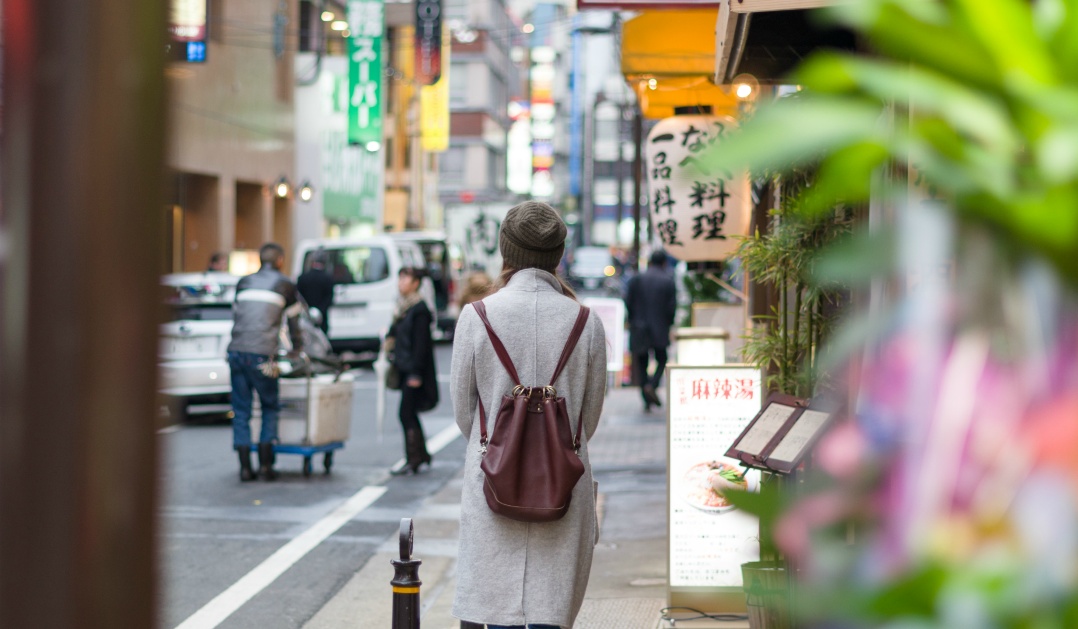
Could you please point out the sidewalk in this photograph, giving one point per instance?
(627, 588)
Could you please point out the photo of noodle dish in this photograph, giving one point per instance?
(705, 484)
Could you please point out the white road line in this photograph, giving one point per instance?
(226, 603)
(438, 442)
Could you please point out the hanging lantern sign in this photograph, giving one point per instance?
(697, 210)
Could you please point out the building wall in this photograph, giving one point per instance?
(483, 77)
(231, 138)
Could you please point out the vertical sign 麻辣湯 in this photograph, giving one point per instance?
(709, 539)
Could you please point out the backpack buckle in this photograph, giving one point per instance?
(549, 392)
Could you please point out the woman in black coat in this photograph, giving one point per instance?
(414, 359)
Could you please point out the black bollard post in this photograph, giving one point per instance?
(406, 582)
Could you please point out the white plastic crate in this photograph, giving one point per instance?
(330, 417)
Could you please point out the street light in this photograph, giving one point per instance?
(306, 191)
(282, 187)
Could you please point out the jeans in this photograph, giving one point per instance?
(246, 379)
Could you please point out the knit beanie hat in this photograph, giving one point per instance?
(532, 236)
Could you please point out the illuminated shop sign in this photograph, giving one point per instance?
(187, 30)
(366, 21)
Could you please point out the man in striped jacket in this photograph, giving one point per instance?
(262, 299)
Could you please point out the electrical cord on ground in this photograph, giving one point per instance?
(667, 611)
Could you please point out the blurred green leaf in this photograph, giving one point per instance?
(913, 594)
(796, 132)
(855, 259)
(922, 34)
(924, 92)
(1005, 29)
(845, 175)
(766, 505)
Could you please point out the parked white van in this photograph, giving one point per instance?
(364, 272)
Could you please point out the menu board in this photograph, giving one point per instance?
(795, 444)
(762, 431)
(611, 313)
(709, 539)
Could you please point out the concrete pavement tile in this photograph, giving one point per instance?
(620, 613)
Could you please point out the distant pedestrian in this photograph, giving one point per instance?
(512, 573)
(316, 286)
(477, 286)
(262, 300)
(218, 263)
(413, 355)
(650, 302)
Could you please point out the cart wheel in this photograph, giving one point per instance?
(327, 461)
(306, 466)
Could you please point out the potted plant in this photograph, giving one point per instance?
(786, 344)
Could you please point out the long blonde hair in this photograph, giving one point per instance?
(508, 273)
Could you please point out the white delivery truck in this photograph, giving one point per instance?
(364, 272)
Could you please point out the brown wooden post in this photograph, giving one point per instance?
(81, 166)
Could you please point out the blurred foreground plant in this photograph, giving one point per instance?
(948, 495)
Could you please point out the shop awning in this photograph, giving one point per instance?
(668, 58)
(768, 38)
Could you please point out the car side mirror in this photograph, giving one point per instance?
(316, 316)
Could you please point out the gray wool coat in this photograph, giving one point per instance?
(509, 572)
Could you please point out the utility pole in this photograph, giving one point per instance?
(638, 174)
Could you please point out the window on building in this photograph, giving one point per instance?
(458, 85)
(451, 166)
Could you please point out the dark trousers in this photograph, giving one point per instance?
(415, 443)
(640, 367)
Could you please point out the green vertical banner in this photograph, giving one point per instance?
(366, 21)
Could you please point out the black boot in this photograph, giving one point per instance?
(650, 395)
(266, 457)
(416, 447)
(246, 473)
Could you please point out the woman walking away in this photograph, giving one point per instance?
(414, 359)
(517, 572)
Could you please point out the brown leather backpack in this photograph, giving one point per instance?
(531, 461)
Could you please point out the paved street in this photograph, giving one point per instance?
(214, 529)
(271, 555)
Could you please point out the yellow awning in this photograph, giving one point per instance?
(668, 58)
(681, 91)
(670, 43)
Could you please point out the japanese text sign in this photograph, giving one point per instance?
(709, 538)
(366, 21)
(696, 209)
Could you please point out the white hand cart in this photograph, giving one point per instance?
(316, 416)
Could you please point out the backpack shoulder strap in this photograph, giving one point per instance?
(499, 348)
(570, 344)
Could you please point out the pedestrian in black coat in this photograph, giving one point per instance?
(316, 286)
(413, 355)
(650, 302)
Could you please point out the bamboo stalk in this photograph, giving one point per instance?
(798, 288)
(783, 316)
